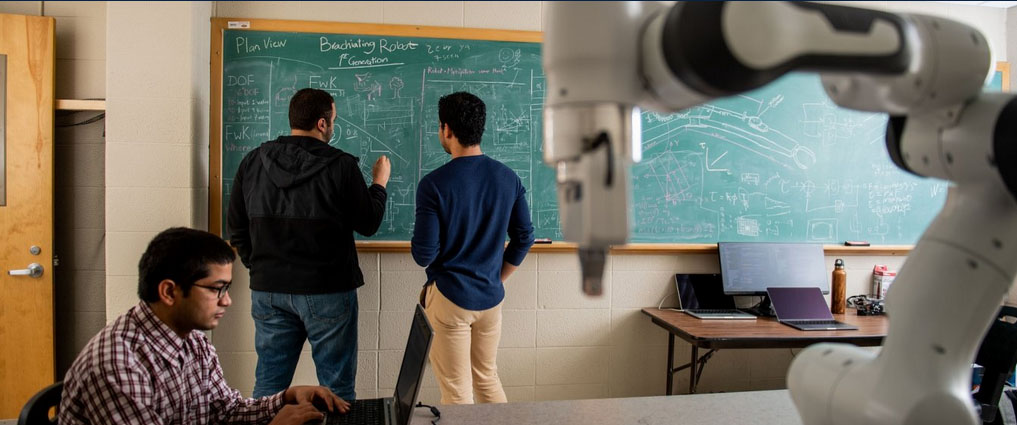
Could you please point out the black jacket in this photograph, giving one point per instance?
(294, 206)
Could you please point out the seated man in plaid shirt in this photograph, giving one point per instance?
(152, 365)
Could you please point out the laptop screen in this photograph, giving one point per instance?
(799, 304)
(702, 291)
(412, 370)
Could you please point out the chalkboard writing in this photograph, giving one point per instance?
(782, 163)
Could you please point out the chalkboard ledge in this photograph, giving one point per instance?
(653, 248)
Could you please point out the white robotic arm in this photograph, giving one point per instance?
(606, 60)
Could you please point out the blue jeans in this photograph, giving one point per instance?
(281, 324)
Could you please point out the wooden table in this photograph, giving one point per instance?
(764, 332)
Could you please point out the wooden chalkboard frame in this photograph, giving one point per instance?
(219, 25)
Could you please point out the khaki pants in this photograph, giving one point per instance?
(464, 350)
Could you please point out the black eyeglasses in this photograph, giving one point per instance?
(220, 291)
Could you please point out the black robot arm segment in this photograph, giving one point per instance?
(724, 48)
(894, 132)
(1004, 156)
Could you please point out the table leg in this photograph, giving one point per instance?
(670, 363)
(692, 370)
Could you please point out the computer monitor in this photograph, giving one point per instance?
(748, 268)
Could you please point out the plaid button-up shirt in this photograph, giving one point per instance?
(138, 371)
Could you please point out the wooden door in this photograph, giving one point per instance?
(26, 209)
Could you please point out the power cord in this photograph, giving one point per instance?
(661, 303)
(434, 411)
(759, 303)
(86, 122)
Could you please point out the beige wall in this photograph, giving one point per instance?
(157, 132)
(1011, 47)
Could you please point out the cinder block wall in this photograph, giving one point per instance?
(157, 83)
(556, 342)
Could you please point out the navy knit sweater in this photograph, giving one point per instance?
(465, 208)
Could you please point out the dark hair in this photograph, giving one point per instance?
(308, 106)
(181, 255)
(465, 114)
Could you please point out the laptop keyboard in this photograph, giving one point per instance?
(369, 411)
(714, 311)
(814, 322)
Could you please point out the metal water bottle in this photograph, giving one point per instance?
(838, 290)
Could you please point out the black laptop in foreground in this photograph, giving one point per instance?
(398, 409)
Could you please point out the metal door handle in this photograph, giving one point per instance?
(33, 270)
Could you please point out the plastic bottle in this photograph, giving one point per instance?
(838, 290)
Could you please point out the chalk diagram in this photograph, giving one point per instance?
(763, 167)
(832, 125)
(379, 119)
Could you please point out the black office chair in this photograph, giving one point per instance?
(36, 411)
(998, 355)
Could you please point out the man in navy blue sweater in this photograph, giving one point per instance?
(464, 210)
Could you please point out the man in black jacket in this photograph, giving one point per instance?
(295, 204)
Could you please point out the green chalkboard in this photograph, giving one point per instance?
(386, 90)
(782, 163)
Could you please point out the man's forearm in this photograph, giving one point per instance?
(253, 410)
